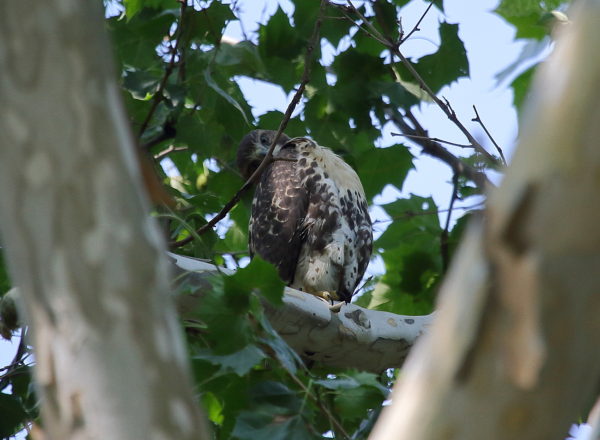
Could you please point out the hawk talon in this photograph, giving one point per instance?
(335, 308)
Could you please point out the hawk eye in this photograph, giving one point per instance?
(264, 139)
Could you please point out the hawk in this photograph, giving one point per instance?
(309, 215)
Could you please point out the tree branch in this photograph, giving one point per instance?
(434, 149)
(478, 119)
(354, 338)
(416, 26)
(433, 139)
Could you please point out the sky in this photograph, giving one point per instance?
(491, 48)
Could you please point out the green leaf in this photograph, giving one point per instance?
(521, 86)
(515, 8)
(457, 232)
(529, 17)
(410, 248)
(257, 275)
(335, 27)
(276, 396)
(206, 25)
(244, 56)
(13, 415)
(201, 137)
(278, 39)
(353, 379)
(5, 283)
(354, 70)
(136, 40)
(142, 83)
(392, 300)
(251, 425)
(229, 329)
(235, 241)
(449, 63)
(132, 7)
(271, 120)
(381, 166)
(239, 362)
(338, 383)
(214, 408)
(288, 358)
(230, 99)
(386, 18)
(353, 403)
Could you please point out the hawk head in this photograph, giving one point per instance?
(254, 148)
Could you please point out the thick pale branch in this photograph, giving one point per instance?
(513, 352)
(355, 337)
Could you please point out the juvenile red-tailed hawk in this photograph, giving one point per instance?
(309, 215)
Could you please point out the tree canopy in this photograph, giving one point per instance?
(180, 75)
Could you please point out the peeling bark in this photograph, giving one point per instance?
(513, 352)
(354, 337)
(110, 362)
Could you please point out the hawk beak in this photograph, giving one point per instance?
(260, 151)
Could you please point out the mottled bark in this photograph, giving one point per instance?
(353, 337)
(78, 239)
(513, 352)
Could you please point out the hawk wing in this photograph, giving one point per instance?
(278, 212)
(358, 252)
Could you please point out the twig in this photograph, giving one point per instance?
(446, 108)
(441, 141)
(17, 362)
(158, 95)
(322, 407)
(444, 236)
(416, 28)
(411, 214)
(478, 120)
(168, 150)
(434, 149)
(314, 40)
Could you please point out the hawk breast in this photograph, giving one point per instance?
(310, 219)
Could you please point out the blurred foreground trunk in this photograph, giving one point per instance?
(78, 239)
(514, 350)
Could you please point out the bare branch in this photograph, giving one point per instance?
(168, 150)
(434, 149)
(478, 120)
(444, 236)
(411, 214)
(416, 27)
(334, 422)
(433, 139)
